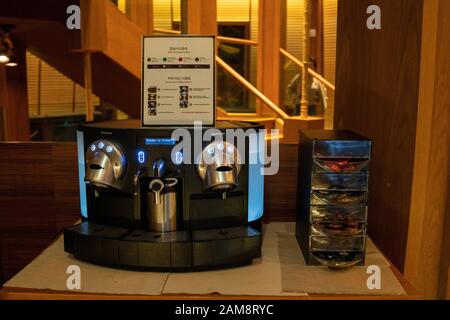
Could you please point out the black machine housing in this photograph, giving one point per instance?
(212, 229)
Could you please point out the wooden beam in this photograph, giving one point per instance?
(426, 250)
(93, 25)
(124, 41)
(14, 98)
(141, 13)
(202, 17)
(268, 65)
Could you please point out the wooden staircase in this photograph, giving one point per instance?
(40, 26)
(114, 46)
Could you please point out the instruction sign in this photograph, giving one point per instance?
(178, 80)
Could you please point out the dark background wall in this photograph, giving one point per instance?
(377, 89)
(38, 198)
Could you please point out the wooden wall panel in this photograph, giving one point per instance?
(65, 182)
(427, 251)
(280, 190)
(377, 86)
(38, 197)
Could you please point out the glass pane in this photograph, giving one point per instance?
(231, 95)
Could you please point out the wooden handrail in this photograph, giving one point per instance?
(166, 31)
(250, 87)
(327, 83)
(219, 38)
(236, 75)
(237, 40)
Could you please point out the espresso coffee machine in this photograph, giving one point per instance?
(144, 206)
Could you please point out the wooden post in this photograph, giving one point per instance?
(3, 101)
(14, 98)
(428, 254)
(93, 39)
(74, 96)
(445, 266)
(202, 17)
(141, 13)
(317, 42)
(184, 16)
(39, 89)
(88, 86)
(269, 42)
(306, 55)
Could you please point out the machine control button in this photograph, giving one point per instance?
(141, 157)
(178, 157)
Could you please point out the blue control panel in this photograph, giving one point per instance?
(160, 142)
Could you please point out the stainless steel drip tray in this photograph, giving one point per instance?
(171, 251)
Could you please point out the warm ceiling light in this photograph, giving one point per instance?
(6, 46)
(4, 51)
(4, 58)
(12, 61)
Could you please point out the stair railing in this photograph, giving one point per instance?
(316, 75)
(280, 113)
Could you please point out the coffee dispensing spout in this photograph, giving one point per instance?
(105, 165)
(157, 184)
(159, 168)
(218, 166)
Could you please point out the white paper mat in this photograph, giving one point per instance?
(48, 271)
(280, 272)
(297, 277)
